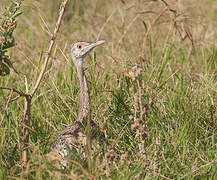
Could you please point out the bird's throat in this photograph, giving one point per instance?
(84, 96)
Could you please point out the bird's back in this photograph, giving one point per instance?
(69, 140)
(73, 139)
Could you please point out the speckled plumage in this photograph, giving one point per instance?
(70, 139)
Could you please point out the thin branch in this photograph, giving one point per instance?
(14, 90)
(58, 23)
(26, 84)
(28, 97)
(167, 5)
(27, 118)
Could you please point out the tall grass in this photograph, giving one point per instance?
(152, 93)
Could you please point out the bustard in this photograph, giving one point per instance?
(73, 138)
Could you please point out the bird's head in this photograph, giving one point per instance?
(81, 49)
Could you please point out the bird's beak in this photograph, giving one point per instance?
(93, 45)
(99, 42)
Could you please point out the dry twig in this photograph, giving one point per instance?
(29, 96)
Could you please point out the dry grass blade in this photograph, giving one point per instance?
(8, 101)
(55, 158)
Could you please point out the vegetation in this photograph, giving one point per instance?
(153, 88)
(8, 24)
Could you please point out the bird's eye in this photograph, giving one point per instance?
(79, 46)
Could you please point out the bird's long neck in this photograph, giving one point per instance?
(84, 95)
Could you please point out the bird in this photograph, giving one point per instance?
(73, 139)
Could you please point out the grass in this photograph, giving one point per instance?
(154, 94)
